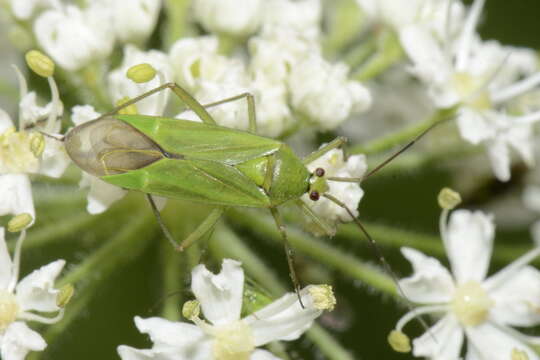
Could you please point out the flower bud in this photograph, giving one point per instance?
(323, 297)
(141, 73)
(19, 222)
(37, 144)
(448, 199)
(64, 296)
(128, 110)
(40, 63)
(399, 341)
(191, 309)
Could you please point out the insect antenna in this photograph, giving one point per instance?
(378, 253)
(59, 138)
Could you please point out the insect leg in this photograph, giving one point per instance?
(288, 251)
(203, 228)
(166, 231)
(337, 142)
(252, 116)
(184, 96)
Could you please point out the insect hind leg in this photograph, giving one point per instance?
(252, 116)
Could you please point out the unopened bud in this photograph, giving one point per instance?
(399, 341)
(37, 144)
(323, 297)
(519, 355)
(128, 110)
(191, 309)
(19, 222)
(141, 73)
(40, 63)
(64, 296)
(448, 198)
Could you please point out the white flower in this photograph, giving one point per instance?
(226, 336)
(322, 92)
(233, 17)
(26, 151)
(432, 14)
(483, 310)
(20, 300)
(480, 77)
(74, 37)
(121, 87)
(134, 20)
(303, 16)
(349, 193)
(24, 10)
(101, 194)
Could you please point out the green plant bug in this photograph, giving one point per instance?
(203, 162)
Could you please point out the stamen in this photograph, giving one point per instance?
(56, 107)
(516, 89)
(431, 309)
(16, 262)
(42, 319)
(471, 23)
(502, 275)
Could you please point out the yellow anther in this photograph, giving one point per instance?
(448, 198)
(128, 110)
(37, 144)
(323, 297)
(19, 222)
(399, 341)
(191, 309)
(141, 73)
(40, 63)
(64, 295)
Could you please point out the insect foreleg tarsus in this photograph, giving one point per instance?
(334, 144)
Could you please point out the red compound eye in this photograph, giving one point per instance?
(314, 195)
(319, 172)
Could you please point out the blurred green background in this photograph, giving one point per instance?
(134, 285)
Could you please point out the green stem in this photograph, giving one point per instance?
(405, 135)
(227, 244)
(345, 22)
(179, 22)
(318, 250)
(361, 53)
(389, 53)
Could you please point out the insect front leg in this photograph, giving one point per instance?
(337, 142)
(289, 252)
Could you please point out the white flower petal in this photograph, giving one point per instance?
(283, 319)
(499, 156)
(19, 340)
(474, 126)
(517, 299)
(263, 355)
(531, 197)
(469, 244)
(441, 341)
(134, 20)
(493, 343)
(54, 159)
(16, 195)
(226, 16)
(426, 54)
(36, 291)
(164, 334)
(101, 195)
(83, 113)
(430, 283)
(5, 261)
(220, 295)
(129, 353)
(5, 121)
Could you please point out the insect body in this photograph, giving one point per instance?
(187, 160)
